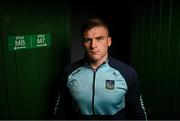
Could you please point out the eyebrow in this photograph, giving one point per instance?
(100, 37)
(95, 37)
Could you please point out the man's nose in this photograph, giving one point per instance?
(93, 43)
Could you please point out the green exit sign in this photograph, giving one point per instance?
(40, 40)
(28, 41)
(19, 42)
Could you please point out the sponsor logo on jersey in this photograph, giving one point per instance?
(73, 83)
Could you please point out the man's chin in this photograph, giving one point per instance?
(94, 59)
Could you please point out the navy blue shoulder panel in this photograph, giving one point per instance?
(126, 70)
(71, 67)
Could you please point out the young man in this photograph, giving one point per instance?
(99, 86)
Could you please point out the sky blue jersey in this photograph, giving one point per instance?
(109, 92)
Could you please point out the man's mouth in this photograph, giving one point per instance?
(94, 52)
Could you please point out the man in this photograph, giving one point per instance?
(99, 86)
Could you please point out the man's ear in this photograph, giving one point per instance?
(109, 41)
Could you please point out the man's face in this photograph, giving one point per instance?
(96, 42)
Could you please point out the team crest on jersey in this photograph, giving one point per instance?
(110, 84)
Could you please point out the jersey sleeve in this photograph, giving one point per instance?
(134, 103)
(64, 108)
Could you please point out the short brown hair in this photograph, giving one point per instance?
(93, 22)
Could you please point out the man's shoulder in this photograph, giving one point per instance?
(73, 66)
(119, 64)
(124, 68)
(127, 71)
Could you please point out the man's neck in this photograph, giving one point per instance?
(96, 64)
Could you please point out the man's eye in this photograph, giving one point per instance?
(100, 38)
(86, 40)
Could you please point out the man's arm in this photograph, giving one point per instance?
(63, 108)
(134, 104)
